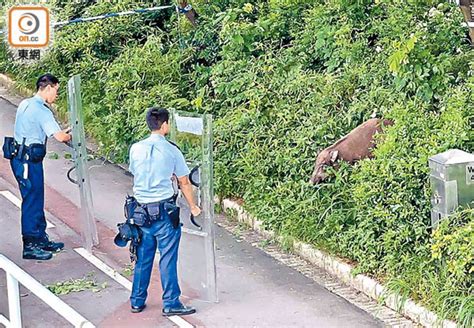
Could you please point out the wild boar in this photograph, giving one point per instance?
(356, 145)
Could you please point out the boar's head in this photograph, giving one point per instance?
(325, 158)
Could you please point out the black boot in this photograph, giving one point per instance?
(181, 310)
(49, 245)
(31, 251)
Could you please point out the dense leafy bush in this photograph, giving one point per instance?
(284, 79)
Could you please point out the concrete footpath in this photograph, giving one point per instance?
(255, 290)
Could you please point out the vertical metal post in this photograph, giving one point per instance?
(13, 301)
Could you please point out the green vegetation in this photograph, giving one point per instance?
(77, 285)
(128, 270)
(284, 79)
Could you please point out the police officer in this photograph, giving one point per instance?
(35, 123)
(153, 162)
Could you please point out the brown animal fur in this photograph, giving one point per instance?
(356, 145)
(190, 15)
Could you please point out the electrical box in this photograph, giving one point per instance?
(452, 182)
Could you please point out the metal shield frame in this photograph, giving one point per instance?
(89, 229)
(192, 132)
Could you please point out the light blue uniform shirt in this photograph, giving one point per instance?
(34, 121)
(153, 161)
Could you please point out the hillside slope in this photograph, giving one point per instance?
(284, 79)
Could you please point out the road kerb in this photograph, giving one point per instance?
(343, 271)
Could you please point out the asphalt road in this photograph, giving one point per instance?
(255, 290)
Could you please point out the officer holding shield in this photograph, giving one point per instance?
(34, 124)
(154, 162)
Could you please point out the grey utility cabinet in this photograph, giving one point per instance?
(452, 182)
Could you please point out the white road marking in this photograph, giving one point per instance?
(4, 321)
(194, 232)
(17, 202)
(12, 198)
(104, 268)
(180, 322)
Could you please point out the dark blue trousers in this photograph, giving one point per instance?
(33, 221)
(162, 235)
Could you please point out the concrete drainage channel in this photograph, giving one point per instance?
(334, 275)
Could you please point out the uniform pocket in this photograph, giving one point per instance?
(154, 211)
(140, 216)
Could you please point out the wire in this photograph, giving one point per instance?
(109, 15)
(123, 13)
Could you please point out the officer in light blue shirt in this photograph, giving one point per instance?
(151, 184)
(35, 123)
(154, 162)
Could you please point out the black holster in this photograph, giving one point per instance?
(129, 207)
(9, 148)
(173, 212)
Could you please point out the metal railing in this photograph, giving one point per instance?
(15, 276)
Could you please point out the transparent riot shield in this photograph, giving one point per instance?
(197, 266)
(89, 229)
